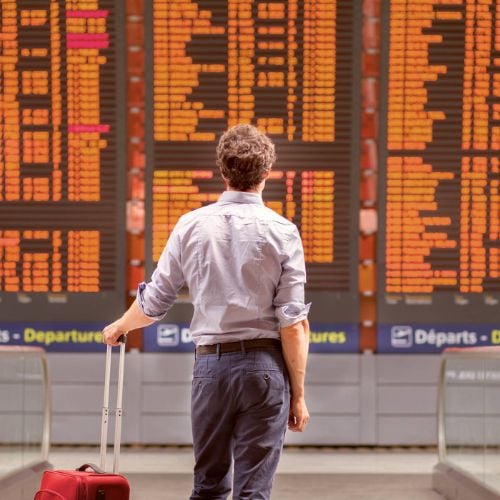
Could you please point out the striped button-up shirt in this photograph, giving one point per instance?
(244, 267)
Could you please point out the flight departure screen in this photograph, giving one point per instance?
(439, 245)
(61, 195)
(288, 68)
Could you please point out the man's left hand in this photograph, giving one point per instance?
(299, 415)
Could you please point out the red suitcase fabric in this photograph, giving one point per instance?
(76, 485)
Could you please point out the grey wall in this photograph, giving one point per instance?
(406, 399)
(353, 399)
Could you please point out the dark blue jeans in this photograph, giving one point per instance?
(239, 410)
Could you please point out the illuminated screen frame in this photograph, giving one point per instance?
(328, 306)
(83, 308)
(445, 307)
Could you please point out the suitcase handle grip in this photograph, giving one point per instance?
(92, 467)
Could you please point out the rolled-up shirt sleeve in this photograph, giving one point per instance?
(156, 297)
(289, 298)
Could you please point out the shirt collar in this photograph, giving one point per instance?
(240, 197)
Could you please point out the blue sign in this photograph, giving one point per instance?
(433, 338)
(325, 338)
(54, 337)
(168, 337)
(334, 338)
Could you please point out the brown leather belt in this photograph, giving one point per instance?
(244, 345)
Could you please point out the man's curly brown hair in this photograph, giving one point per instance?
(244, 156)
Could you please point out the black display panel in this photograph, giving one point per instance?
(439, 244)
(62, 160)
(292, 69)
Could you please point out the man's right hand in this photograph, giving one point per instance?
(113, 332)
(299, 415)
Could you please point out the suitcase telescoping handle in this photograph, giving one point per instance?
(119, 410)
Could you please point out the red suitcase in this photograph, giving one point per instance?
(90, 482)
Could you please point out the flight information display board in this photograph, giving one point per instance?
(439, 244)
(292, 69)
(61, 163)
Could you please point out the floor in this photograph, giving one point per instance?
(316, 473)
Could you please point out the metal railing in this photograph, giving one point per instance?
(469, 424)
(25, 411)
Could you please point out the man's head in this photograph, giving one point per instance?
(245, 157)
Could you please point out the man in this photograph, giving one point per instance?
(244, 266)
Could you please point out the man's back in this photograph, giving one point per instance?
(231, 254)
